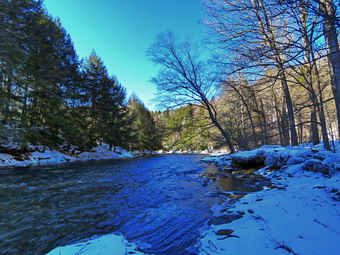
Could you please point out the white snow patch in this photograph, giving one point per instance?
(300, 216)
(50, 157)
(104, 245)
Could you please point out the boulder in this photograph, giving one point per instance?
(280, 158)
(249, 159)
(315, 165)
(295, 161)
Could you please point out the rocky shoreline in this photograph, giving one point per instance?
(297, 211)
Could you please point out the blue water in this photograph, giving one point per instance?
(159, 202)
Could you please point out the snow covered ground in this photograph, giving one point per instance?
(49, 157)
(298, 214)
(104, 245)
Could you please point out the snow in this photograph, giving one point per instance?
(299, 213)
(217, 159)
(103, 152)
(50, 157)
(103, 245)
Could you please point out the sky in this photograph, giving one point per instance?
(120, 31)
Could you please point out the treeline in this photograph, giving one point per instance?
(274, 77)
(49, 97)
(185, 128)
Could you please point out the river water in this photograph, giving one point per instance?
(158, 202)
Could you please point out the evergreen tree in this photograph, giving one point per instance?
(185, 129)
(15, 37)
(145, 134)
(105, 99)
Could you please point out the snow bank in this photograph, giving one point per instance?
(219, 160)
(279, 158)
(276, 157)
(48, 157)
(253, 157)
(104, 245)
(298, 214)
(303, 218)
(103, 152)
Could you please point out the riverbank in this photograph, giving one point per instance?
(102, 152)
(299, 213)
(52, 157)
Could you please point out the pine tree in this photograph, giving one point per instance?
(15, 17)
(105, 99)
(145, 134)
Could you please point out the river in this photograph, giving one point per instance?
(158, 202)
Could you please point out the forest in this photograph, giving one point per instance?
(273, 78)
(49, 97)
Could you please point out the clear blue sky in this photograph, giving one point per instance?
(121, 30)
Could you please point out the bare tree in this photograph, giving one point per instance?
(281, 42)
(185, 79)
(252, 35)
(330, 19)
(239, 86)
(302, 66)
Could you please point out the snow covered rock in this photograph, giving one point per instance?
(219, 160)
(279, 158)
(315, 165)
(248, 159)
(295, 160)
(300, 218)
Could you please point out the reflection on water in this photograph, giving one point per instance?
(235, 184)
(160, 201)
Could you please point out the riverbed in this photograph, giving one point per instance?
(161, 203)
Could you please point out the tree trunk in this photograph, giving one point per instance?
(270, 37)
(331, 37)
(285, 127)
(225, 134)
(264, 120)
(279, 119)
(314, 127)
(248, 113)
(24, 106)
(289, 104)
(314, 132)
(300, 129)
(320, 108)
(8, 115)
(245, 143)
